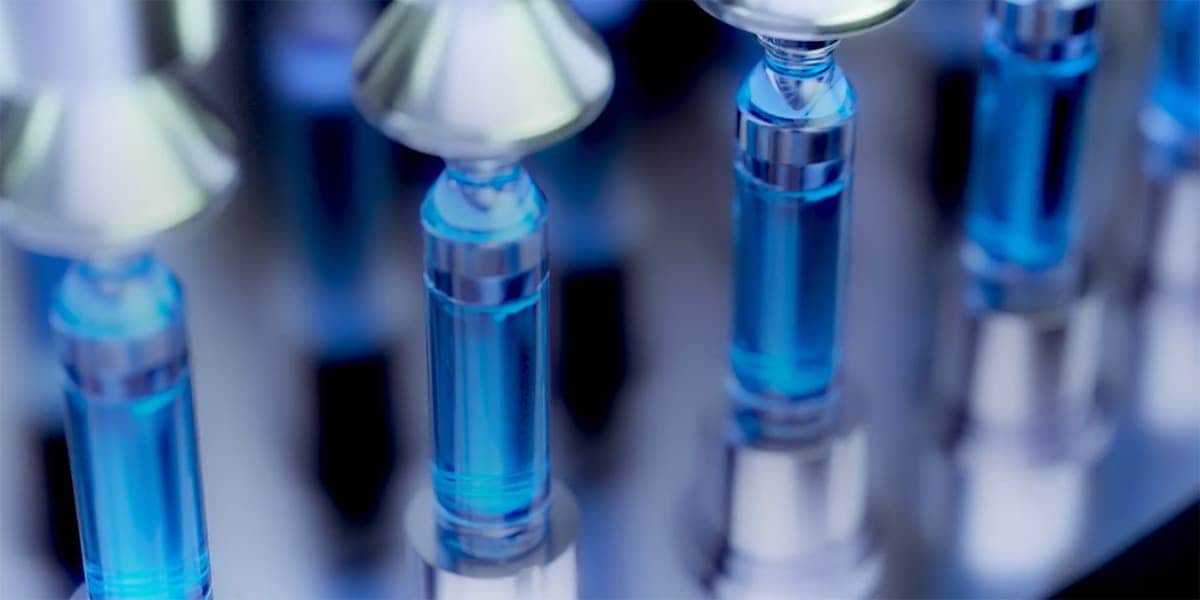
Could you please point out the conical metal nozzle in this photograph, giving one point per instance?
(805, 19)
(107, 171)
(101, 149)
(481, 79)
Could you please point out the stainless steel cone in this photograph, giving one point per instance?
(108, 169)
(805, 19)
(65, 44)
(481, 79)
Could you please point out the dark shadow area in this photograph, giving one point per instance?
(594, 343)
(950, 148)
(1163, 564)
(58, 503)
(356, 449)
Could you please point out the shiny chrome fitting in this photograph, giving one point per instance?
(490, 273)
(1044, 29)
(790, 519)
(791, 157)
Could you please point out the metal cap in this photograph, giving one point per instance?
(1045, 29)
(481, 79)
(67, 44)
(805, 19)
(106, 171)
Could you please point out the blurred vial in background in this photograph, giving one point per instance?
(332, 173)
(330, 167)
(1028, 124)
(1177, 81)
(1163, 287)
(948, 32)
(590, 236)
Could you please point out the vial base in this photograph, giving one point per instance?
(787, 519)
(81, 593)
(546, 571)
(1024, 381)
(1007, 286)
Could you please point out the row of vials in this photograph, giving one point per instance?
(103, 150)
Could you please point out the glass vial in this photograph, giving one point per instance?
(791, 218)
(119, 328)
(485, 286)
(1028, 120)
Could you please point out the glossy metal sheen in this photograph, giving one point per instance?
(805, 19)
(792, 157)
(476, 79)
(67, 44)
(105, 172)
(792, 518)
(1045, 29)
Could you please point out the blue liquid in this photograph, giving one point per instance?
(488, 378)
(790, 261)
(487, 359)
(790, 243)
(1177, 86)
(131, 434)
(1028, 119)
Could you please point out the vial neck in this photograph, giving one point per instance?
(798, 58)
(482, 173)
(483, 182)
(117, 268)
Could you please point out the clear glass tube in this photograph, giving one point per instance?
(1028, 119)
(119, 327)
(487, 356)
(791, 216)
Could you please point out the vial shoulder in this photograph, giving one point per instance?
(140, 298)
(825, 99)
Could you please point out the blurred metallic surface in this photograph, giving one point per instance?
(432, 75)
(791, 519)
(111, 168)
(100, 41)
(1027, 382)
(805, 19)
